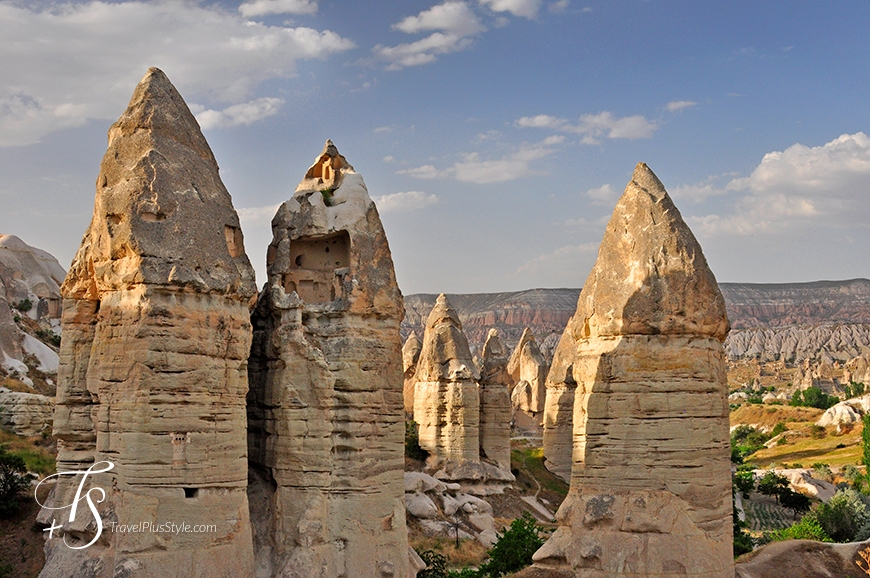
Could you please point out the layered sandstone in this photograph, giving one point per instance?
(559, 409)
(25, 414)
(495, 403)
(528, 370)
(152, 374)
(650, 483)
(410, 354)
(325, 419)
(446, 397)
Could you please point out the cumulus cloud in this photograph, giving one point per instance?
(263, 7)
(676, 105)
(455, 25)
(210, 54)
(523, 8)
(239, 114)
(407, 201)
(475, 169)
(826, 185)
(603, 195)
(594, 126)
(559, 6)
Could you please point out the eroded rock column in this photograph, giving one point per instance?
(650, 484)
(410, 356)
(326, 425)
(495, 402)
(153, 364)
(528, 369)
(559, 409)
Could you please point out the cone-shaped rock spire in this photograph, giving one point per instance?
(650, 483)
(495, 403)
(156, 340)
(410, 355)
(325, 415)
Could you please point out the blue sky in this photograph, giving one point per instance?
(495, 135)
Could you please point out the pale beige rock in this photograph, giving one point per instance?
(804, 559)
(650, 484)
(528, 369)
(410, 354)
(857, 369)
(839, 414)
(25, 414)
(325, 418)
(559, 409)
(446, 398)
(153, 362)
(495, 407)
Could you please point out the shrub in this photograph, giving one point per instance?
(817, 432)
(24, 305)
(744, 481)
(808, 528)
(845, 517)
(813, 397)
(436, 565)
(743, 542)
(778, 429)
(14, 479)
(772, 484)
(822, 471)
(514, 549)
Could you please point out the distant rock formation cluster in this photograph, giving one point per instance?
(650, 480)
(157, 355)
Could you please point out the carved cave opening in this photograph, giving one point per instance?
(318, 266)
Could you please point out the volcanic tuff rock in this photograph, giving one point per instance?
(495, 402)
(325, 416)
(446, 398)
(153, 361)
(528, 371)
(826, 342)
(25, 414)
(27, 274)
(651, 484)
(858, 369)
(559, 409)
(410, 354)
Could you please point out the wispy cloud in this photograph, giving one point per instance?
(238, 114)
(565, 258)
(475, 169)
(210, 54)
(264, 7)
(455, 25)
(407, 201)
(594, 126)
(522, 8)
(676, 105)
(559, 6)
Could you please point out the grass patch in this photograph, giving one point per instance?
(762, 416)
(469, 553)
(37, 452)
(832, 450)
(530, 460)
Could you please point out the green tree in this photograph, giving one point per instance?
(772, 484)
(807, 529)
(14, 480)
(744, 481)
(436, 565)
(865, 441)
(794, 501)
(813, 397)
(514, 549)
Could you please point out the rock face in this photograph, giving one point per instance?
(559, 409)
(804, 559)
(857, 369)
(446, 398)
(153, 361)
(410, 355)
(25, 414)
(650, 484)
(528, 370)
(325, 413)
(495, 402)
(824, 342)
(27, 274)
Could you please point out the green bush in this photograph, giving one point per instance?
(813, 397)
(808, 528)
(436, 565)
(24, 305)
(845, 517)
(746, 440)
(514, 549)
(772, 484)
(49, 336)
(743, 542)
(744, 481)
(14, 480)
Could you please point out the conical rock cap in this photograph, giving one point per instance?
(651, 276)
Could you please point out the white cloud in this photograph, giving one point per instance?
(826, 185)
(263, 7)
(524, 8)
(696, 193)
(388, 159)
(603, 195)
(381, 129)
(452, 17)
(407, 201)
(254, 215)
(424, 172)
(208, 53)
(676, 105)
(593, 126)
(455, 24)
(473, 169)
(559, 6)
(239, 114)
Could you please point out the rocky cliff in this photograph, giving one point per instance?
(770, 320)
